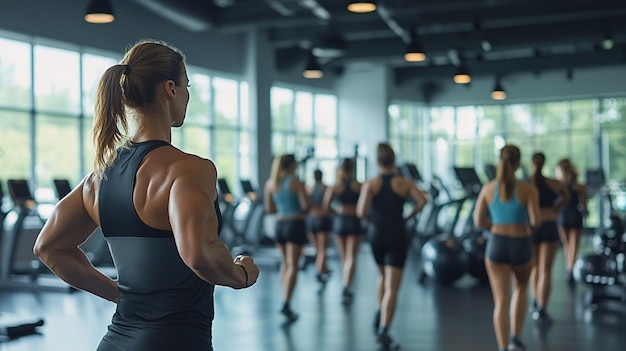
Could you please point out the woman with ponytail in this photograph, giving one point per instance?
(286, 196)
(510, 210)
(553, 196)
(343, 197)
(157, 207)
(570, 220)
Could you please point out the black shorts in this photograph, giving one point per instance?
(347, 225)
(547, 233)
(315, 224)
(570, 218)
(389, 243)
(291, 231)
(509, 250)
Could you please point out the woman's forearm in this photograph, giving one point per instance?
(74, 268)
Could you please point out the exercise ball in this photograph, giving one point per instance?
(475, 245)
(444, 259)
(594, 269)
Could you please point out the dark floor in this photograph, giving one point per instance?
(429, 317)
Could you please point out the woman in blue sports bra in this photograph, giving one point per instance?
(286, 196)
(510, 210)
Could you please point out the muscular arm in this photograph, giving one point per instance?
(194, 223)
(57, 247)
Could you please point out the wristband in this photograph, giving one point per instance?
(245, 271)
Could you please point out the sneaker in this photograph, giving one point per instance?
(347, 296)
(289, 314)
(541, 316)
(376, 321)
(386, 343)
(323, 277)
(516, 345)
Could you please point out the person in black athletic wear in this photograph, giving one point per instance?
(553, 196)
(319, 224)
(343, 197)
(510, 210)
(286, 196)
(570, 220)
(157, 207)
(381, 202)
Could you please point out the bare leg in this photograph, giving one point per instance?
(565, 241)
(574, 235)
(321, 242)
(500, 281)
(392, 280)
(353, 243)
(519, 300)
(534, 274)
(545, 258)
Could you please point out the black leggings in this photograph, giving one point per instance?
(503, 249)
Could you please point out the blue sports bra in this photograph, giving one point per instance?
(507, 212)
(287, 202)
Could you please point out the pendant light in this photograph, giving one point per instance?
(361, 6)
(498, 92)
(99, 11)
(312, 70)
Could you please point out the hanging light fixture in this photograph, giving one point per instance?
(361, 6)
(462, 75)
(312, 70)
(99, 11)
(498, 92)
(414, 51)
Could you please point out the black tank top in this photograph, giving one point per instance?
(157, 290)
(547, 196)
(348, 196)
(387, 207)
(574, 198)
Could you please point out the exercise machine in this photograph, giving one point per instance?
(20, 269)
(237, 216)
(61, 188)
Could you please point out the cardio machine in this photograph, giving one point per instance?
(20, 269)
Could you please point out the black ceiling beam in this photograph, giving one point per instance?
(405, 75)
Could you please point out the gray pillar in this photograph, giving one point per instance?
(260, 75)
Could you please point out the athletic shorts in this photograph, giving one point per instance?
(570, 218)
(389, 243)
(347, 225)
(315, 224)
(291, 231)
(503, 249)
(547, 233)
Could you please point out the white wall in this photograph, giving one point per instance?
(362, 111)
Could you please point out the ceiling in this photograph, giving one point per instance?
(489, 37)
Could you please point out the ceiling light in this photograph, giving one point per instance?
(312, 70)
(608, 43)
(99, 11)
(361, 6)
(462, 76)
(498, 93)
(414, 51)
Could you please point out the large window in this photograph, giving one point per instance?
(591, 132)
(305, 124)
(46, 117)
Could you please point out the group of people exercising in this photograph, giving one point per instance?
(158, 209)
(527, 220)
(321, 209)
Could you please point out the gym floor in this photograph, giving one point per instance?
(429, 317)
